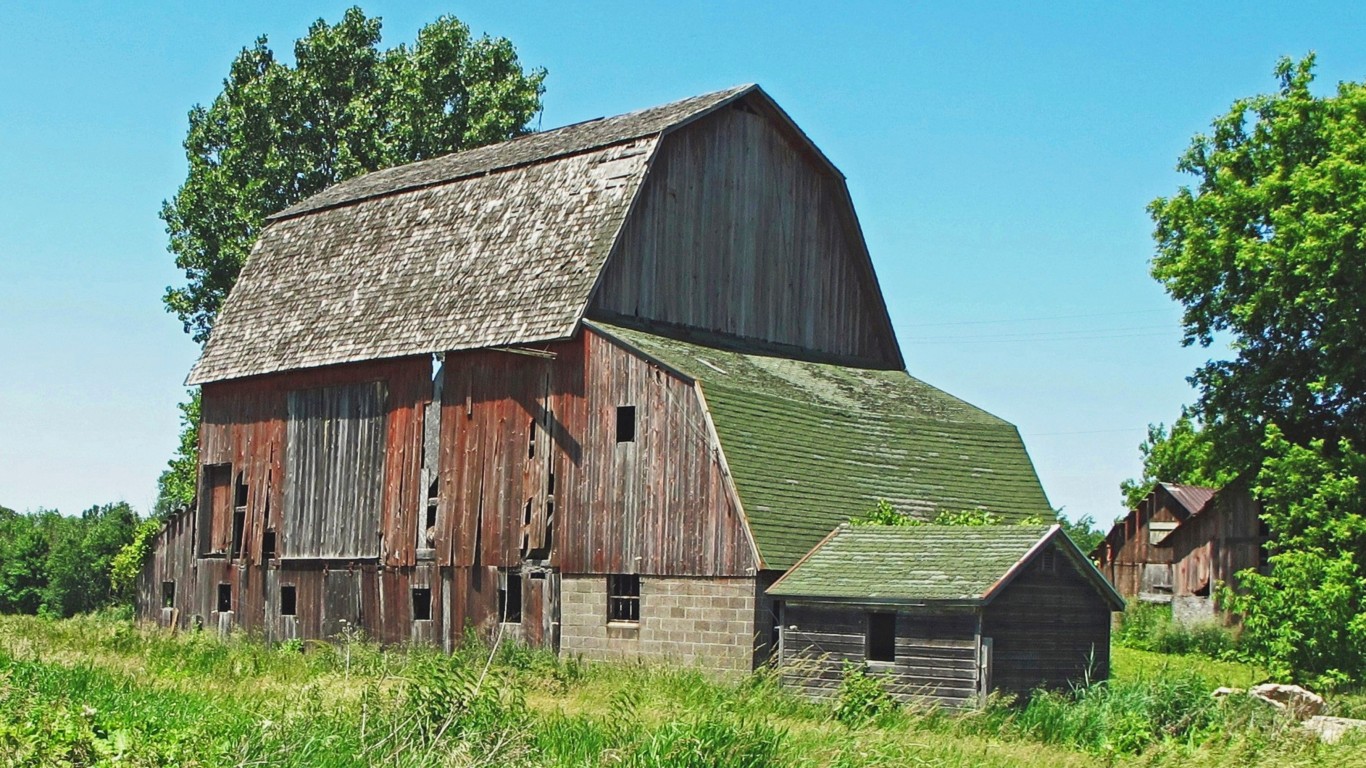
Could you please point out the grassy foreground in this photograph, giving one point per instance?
(99, 691)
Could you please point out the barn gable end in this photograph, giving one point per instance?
(744, 229)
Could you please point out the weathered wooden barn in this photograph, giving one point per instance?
(945, 615)
(1222, 538)
(1130, 555)
(1181, 542)
(595, 388)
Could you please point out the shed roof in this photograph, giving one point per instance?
(810, 444)
(928, 563)
(1192, 497)
(493, 246)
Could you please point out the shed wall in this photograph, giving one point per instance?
(1047, 629)
(936, 653)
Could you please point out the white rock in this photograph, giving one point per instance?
(1331, 729)
(1301, 702)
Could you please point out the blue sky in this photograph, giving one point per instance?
(1000, 155)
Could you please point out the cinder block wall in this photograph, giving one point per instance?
(708, 623)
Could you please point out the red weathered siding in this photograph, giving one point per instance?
(529, 475)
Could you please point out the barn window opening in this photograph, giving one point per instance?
(422, 604)
(623, 598)
(288, 600)
(882, 637)
(239, 524)
(224, 597)
(531, 440)
(626, 424)
(240, 490)
(267, 545)
(168, 594)
(510, 598)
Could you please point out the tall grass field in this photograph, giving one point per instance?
(100, 691)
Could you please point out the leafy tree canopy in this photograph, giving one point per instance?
(59, 565)
(1268, 249)
(279, 133)
(1183, 455)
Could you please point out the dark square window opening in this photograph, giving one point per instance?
(510, 598)
(168, 594)
(288, 600)
(267, 545)
(626, 424)
(224, 597)
(882, 637)
(623, 598)
(422, 604)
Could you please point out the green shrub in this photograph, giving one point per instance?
(1149, 627)
(861, 699)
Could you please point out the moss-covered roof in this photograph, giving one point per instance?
(927, 563)
(810, 445)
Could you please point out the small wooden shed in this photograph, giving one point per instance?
(945, 614)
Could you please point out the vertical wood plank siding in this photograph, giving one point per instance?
(737, 231)
(1225, 538)
(510, 426)
(334, 471)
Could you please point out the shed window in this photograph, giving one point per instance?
(224, 597)
(623, 598)
(168, 594)
(626, 424)
(1048, 561)
(510, 598)
(422, 604)
(882, 637)
(288, 601)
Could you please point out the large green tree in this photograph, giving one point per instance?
(280, 132)
(1183, 454)
(1267, 251)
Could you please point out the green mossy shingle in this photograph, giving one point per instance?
(930, 563)
(811, 445)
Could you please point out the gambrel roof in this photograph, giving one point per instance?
(810, 445)
(493, 246)
(947, 564)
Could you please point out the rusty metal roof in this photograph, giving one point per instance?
(493, 246)
(1192, 497)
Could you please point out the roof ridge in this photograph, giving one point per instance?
(504, 155)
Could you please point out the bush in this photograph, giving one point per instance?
(1149, 627)
(862, 699)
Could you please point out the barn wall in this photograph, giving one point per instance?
(1047, 629)
(659, 505)
(707, 623)
(936, 653)
(529, 476)
(1211, 548)
(1134, 564)
(740, 230)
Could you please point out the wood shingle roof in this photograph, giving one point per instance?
(493, 246)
